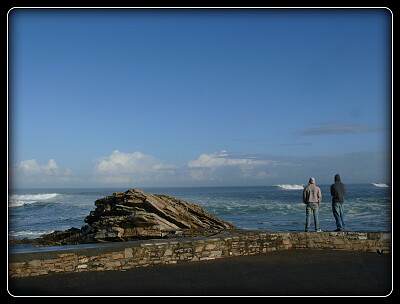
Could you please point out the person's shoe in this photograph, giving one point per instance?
(306, 230)
(319, 230)
(337, 230)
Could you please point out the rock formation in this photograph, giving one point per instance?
(135, 214)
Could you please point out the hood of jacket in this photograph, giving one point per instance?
(311, 180)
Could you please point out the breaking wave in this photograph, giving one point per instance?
(28, 233)
(381, 185)
(17, 200)
(290, 187)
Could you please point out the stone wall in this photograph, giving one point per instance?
(127, 255)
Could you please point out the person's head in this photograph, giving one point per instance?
(337, 178)
(311, 180)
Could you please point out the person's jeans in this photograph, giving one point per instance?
(312, 207)
(338, 213)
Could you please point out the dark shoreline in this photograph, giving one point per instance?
(290, 272)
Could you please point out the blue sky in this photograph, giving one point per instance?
(174, 97)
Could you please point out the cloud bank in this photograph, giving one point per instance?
(136, 169)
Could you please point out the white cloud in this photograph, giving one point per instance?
(125, 168)
(220, 168)
(138, 168)
(31, 167)
(227, 167)
(30, 173)
(122, 163)
(221, 159)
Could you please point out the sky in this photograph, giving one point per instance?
(198, 97)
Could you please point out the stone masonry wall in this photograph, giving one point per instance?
(123, 256)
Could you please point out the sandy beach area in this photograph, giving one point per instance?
(281, 273)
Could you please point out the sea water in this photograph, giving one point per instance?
(368, 207)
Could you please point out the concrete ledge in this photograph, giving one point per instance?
(127, 255)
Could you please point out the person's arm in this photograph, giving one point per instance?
(319, 195)
(304, 196)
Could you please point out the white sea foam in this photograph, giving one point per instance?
(290, 187)
(17, 200)
(28, 234)
(382, 185)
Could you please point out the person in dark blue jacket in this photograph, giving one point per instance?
(338, 190)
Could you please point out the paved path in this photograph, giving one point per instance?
(291, 272)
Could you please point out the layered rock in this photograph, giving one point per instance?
(135, 214)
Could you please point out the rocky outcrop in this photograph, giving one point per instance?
(135, 214)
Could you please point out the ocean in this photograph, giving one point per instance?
(368, 207)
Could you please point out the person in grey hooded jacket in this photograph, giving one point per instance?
(338, 190)
(312, 197)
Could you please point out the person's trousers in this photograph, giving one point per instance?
(312, 208)
(338, 213)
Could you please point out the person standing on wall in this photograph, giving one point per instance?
(312, 197)
(338, 190)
